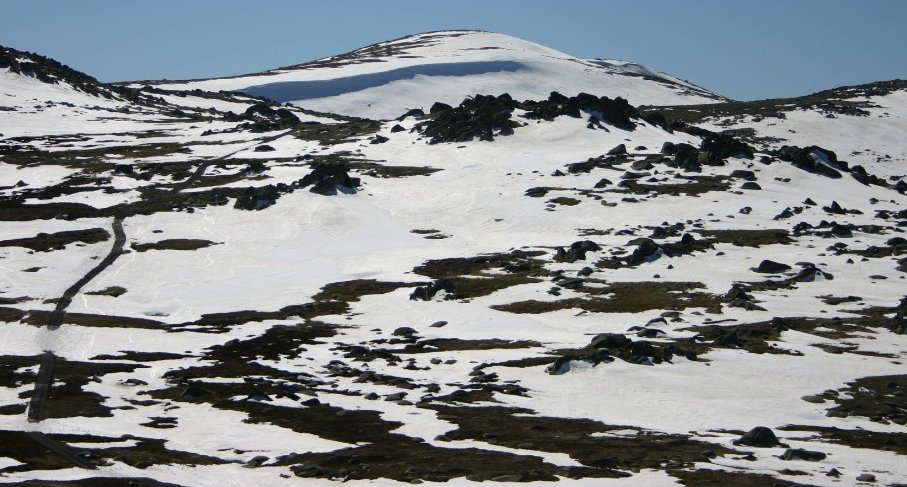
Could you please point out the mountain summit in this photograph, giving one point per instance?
(384, 80)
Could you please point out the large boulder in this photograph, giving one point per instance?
(760, 437)
(645, 248)
(772, 267)
(813, 159)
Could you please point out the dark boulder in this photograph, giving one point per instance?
(641, 165)
(124, 169)
(901, 187)
(571, 283)
(835, 209)
(750, 185)
(772, 267)
(397, 128)
(812, 159)
(439, 107)
(609, 341)
(264, 148)
(405, 331)
(801, 454)
(744, 174)
(841, 231)
(760, 437)
(379, 139)
(810, 273)
(645, 249)
(618, 150)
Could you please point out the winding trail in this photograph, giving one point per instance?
(56, 317)
(37, 407)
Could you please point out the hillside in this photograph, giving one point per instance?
(206, 288)
(385, 80)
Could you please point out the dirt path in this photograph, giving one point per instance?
(37, 408)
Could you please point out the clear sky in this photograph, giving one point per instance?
(743, 49)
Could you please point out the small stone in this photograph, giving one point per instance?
(814, 399)
(395, 396)
(866, 477)
(801, 454)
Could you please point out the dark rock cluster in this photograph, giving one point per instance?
(816, 160)
(485, 116)
(262, 118)
(426, 293)
(481, 117)
(329, 179)
(325, 179)
(576, 251)
(606, 347)
(616, 112)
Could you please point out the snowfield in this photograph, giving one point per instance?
(385, 80)
(498, 292)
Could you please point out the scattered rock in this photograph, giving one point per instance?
(801, 454)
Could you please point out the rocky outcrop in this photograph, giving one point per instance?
(480, 117)
(329, 179)
(262, 118)
(616, 112)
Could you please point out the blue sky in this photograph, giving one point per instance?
(744, 49)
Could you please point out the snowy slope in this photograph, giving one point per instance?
(384, 80)
(256, 330)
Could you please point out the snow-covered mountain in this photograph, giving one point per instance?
(384, 80)
(208, 288)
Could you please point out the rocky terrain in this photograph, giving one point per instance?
(617, 278)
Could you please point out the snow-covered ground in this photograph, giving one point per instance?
(212, 332)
